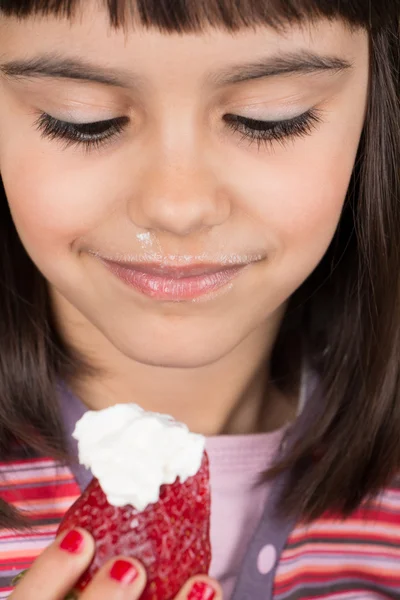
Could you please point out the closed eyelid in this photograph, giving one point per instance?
(90, 122)
(72, 104)
(94, 134)
(273, 120)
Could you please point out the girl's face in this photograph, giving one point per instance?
(179, 155)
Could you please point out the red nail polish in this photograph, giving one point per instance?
(73, 542)
(123, 572)
(201, 591)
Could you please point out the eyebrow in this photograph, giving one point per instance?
(302, 62)
(58, 67)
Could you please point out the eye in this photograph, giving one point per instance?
(89, 135)
(268, 132)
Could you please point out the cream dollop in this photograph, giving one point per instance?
(133, 452)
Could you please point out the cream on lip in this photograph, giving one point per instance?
(222, 260)
(176, 272)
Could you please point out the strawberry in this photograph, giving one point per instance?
(169, 537)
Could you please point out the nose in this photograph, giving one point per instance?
(178, 195)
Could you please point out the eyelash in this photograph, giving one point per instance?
(95, 135)
(265, 133)
(89, 135)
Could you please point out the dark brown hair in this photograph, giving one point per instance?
(345, 317)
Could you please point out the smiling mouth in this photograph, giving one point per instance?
(175, 283)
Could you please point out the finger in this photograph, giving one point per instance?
(119, 579)
(57, 569)
(200, 588)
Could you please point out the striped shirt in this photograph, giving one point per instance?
(42, 489)
(358, 557)
(331, 558)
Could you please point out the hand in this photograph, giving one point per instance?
(56, 571)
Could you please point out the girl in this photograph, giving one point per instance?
(201, 212)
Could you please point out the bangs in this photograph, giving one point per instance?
(185, 16)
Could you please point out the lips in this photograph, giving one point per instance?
(174, 283)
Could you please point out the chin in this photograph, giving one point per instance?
(188, 351)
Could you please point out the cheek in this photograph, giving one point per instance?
(314, 198)
(299, 202)
(53, 204)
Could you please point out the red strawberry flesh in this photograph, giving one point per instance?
(170, 537)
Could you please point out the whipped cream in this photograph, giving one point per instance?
(133, 452)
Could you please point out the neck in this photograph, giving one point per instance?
(226, 396)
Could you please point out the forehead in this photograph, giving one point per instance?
(192, 15)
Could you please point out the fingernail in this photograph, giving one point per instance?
(201, 591)
(123, 572)
(73, 542)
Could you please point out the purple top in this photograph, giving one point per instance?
(237, 499)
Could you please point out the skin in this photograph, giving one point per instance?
(176, 182)
(55, 560)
